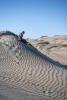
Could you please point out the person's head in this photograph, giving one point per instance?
(23, 32)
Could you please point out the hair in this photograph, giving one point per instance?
(23, 32)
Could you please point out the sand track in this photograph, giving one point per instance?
(24, 68)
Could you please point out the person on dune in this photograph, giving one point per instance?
(21, 35)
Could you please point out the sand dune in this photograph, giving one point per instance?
(27, 74)
(55, 47)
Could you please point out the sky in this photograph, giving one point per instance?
(36, 17)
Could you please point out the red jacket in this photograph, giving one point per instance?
(21, 35)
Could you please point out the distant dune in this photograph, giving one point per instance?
(55, 47)
(27, 74)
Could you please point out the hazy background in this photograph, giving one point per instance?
(36, 17)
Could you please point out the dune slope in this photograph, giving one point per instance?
(27, 74)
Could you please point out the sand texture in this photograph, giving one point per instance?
(27, 74)
(54, 47)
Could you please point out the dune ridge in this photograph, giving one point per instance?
(24, 67)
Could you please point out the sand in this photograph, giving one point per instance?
(54, 47)
(27, 74)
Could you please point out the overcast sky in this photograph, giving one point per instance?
(36, 17)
